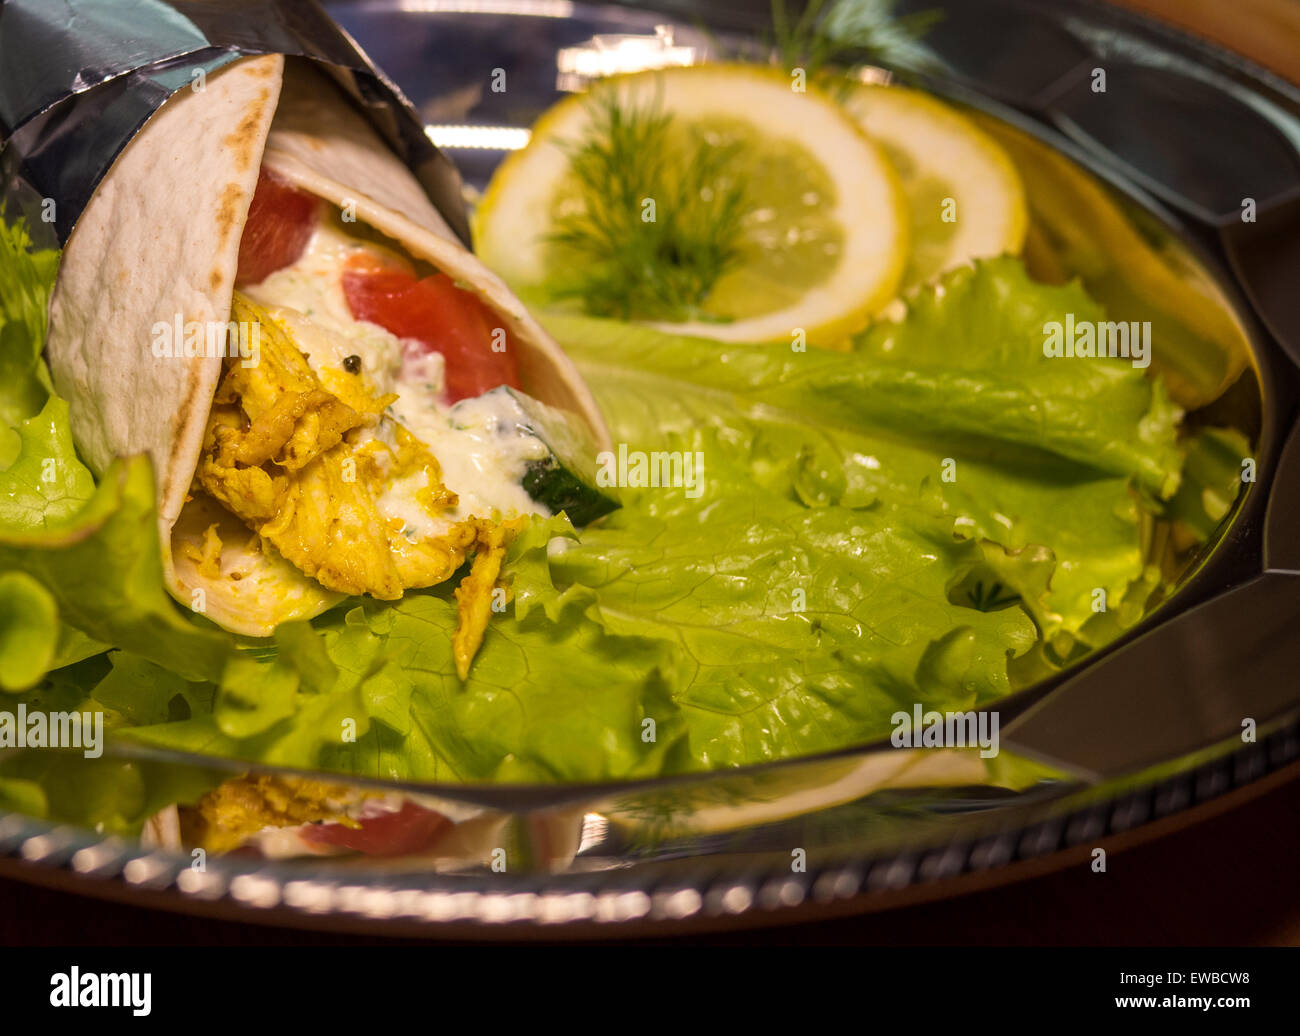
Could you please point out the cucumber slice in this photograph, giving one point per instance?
(564, 478)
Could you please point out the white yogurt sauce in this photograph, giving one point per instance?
(479, 446)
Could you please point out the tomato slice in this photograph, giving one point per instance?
(281, 219)
(409, 830)
(439, 316)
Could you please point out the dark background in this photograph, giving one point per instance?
(1230, 880)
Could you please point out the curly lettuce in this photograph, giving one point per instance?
(908, 522)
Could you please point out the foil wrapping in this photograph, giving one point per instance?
(79, 78)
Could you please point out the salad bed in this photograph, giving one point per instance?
(927, 518)
(935, 511)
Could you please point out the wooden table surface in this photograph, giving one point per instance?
(1266, 31)
(1231, 880)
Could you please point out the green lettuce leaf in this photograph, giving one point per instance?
(396, 709)
(41, 479)
(115, 537)
(546, 700)
(29, 631)
(26, 281)
(107, 794)
(964, 369)
(1012, 491)
(871, 530)
(1212, 479)
(910, 522)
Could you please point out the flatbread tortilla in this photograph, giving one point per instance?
(160, 241)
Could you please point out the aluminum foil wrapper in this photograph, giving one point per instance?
(79, 78)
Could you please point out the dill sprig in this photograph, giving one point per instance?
(657, 218)
(619, 263)
(860, 30)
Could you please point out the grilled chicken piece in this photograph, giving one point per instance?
(237, 809)
(474, 595)
(289, 457)
(301, 461)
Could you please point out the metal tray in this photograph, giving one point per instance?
(1141, 736)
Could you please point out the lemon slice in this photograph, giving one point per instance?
(823, 231)
(964, 196)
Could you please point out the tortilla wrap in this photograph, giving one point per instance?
(161, 238)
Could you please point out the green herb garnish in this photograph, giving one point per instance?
(656, 218)
(862, 30)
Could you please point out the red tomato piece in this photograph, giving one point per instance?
(440, 316)
(281, 220)
(409, 830)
